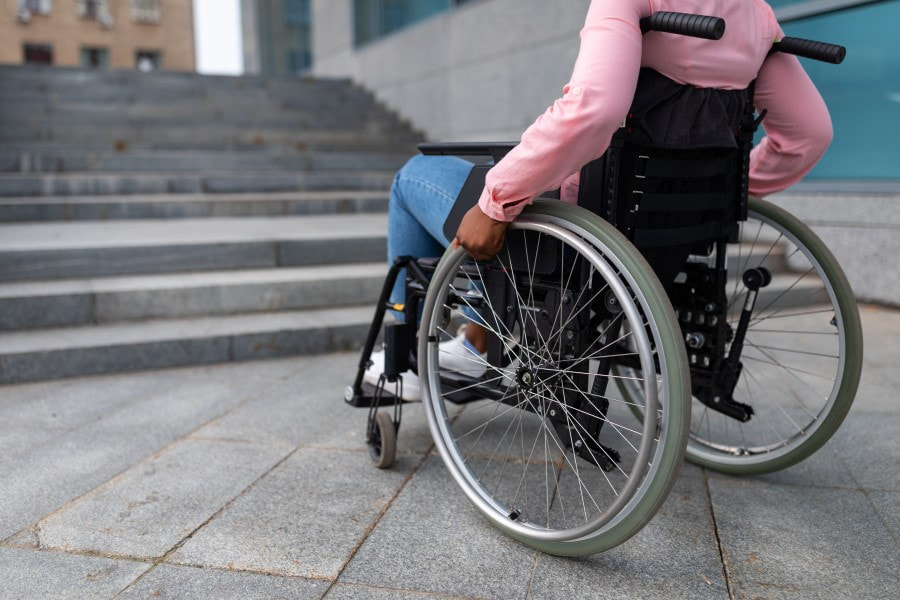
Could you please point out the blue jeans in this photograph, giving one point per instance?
(422, 195)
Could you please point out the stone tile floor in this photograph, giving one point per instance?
(252, 481)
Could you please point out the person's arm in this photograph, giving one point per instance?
(575, 130)
(797, 124)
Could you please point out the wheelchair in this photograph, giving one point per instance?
(666, 316)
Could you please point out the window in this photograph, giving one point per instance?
(27, 8)
(147, 60)
(299, 60)
(97, 10)
(38, 54)
(377, 18)
(862, 93)
(296, 13)
(94, 57)
(146, 11)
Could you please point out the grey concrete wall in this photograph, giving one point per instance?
(863, 233)
(484, 70)
(250, 37)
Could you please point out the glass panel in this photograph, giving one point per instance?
(145, 11)
(38, 54)
(863, 93)
(296, 13)
(285, 37)
(776, 4)
(298, 60)
(35, 7)
(94, 57)
(147, 60)
(377, 18)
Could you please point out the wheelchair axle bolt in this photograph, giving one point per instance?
(524, 377)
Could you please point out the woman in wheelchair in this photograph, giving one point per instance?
(650, 269)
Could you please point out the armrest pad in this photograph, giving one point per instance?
(495, 150)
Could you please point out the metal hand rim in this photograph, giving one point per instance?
(437, 417)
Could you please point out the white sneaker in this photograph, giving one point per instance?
(454, 355)
(410, 391)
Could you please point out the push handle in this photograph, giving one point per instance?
(710, 28)
(830, 53)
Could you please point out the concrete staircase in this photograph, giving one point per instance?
(149, 221)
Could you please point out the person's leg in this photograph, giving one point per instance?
(422, 195)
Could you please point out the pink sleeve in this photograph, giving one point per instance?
(579, 126)
(798, 127)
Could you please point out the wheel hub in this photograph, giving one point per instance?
(546, 374)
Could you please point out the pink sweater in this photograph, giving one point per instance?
(579, 125)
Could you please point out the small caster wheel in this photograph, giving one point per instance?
(383, 441)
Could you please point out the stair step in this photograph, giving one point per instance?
(37, 251)
(156, 344)
(76, 302)
(175, 161)
(186, 206)
(211, 137)
(103, 184)
(249, 114)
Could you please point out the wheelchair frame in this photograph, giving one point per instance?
(697, 289)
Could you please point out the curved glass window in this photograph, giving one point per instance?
(862, 93)
(378, 18)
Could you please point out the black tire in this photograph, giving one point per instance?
(383, 445)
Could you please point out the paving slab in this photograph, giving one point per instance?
(72, 404)
(343, 591)
(32, 574)
(176, 582)
(286, 414)
(824, 468)
(868, 444)
(154, 505)
(72, 465)
(793, 541)
(433, 540)
(79, 460)
(22, 439)
(674, 556)
(888, 506)
(305, 518)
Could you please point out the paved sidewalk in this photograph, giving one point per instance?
(252, 481)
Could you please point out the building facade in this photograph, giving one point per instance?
(486, 68)
(121, 34)
(277, 36)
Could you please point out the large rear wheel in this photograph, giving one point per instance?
(801, 358)
(540, 447)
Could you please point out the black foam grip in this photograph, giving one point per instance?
(710, 28)
(830, 53)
